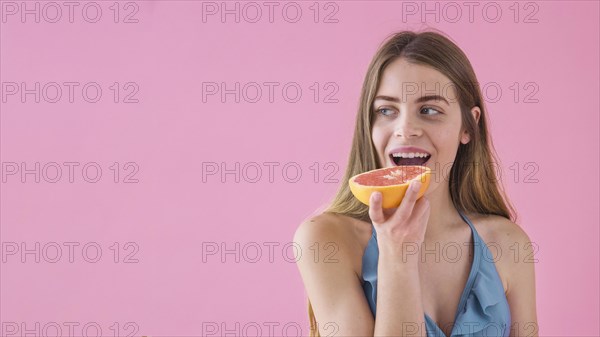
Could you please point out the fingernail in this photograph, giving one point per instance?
(416, 185)
(376, 196)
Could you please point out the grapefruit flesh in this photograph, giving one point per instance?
(392, 182)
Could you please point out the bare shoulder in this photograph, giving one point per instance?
(323, 221)
(510, 245)
(328, 267)
(515, 261)
(323, 227)
(498, 229)
(337, 236)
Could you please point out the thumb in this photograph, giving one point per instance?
(375, 210)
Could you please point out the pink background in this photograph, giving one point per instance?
(170, 212)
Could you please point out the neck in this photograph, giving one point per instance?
(442, 213)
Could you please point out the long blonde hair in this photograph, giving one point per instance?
(473, 188)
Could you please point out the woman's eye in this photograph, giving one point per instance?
(382, 111)
(435, 112)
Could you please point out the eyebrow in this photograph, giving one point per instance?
(418, 100)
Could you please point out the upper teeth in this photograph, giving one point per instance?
(410, 155)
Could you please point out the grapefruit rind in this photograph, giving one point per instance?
(392, 194)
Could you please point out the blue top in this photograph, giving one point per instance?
(482, 310)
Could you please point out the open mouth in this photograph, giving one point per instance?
(405, 160)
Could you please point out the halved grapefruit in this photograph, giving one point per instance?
(392, 182)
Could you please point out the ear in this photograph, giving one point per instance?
(465, 137)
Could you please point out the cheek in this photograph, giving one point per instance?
(443, 139)
(446, 143)
(378, 135)
(379, 138)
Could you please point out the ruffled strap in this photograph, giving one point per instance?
(369, 271)
(486, 311)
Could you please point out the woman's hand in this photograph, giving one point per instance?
(399, 228)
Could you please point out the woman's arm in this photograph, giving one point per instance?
(399, 299)
(332, 285)
(399, 233)
(334, 288)
(521, 282)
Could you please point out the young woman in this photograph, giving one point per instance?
(472, 272)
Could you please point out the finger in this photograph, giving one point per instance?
(375, 209)
(408, 202)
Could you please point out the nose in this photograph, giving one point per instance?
(407, 127)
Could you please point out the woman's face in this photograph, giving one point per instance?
(417, 106)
